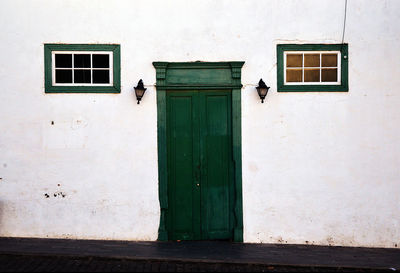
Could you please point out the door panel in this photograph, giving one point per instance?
(216, 159)
(184, 195)
(200, 186)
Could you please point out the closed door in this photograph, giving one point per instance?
(200, 165)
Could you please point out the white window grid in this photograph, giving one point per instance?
(110, 68)
(338, 67)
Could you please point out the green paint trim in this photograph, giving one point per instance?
(237, 159)
(343, 87)
(197, 87)
(49, 88)
(196, 65)
(162, 86)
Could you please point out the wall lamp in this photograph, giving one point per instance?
(139, 91)
(262, 90)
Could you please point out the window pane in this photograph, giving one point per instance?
(294, 60)
(82, 76)
(101, 61)
(329, 75)
(64, 60)
(82, 60)
(311, 75)
(63, 76)
(311, 60)
(294, 75)
(101, 76)
(329, 60)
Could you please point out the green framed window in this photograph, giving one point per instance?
(82, 68)
(312, 67)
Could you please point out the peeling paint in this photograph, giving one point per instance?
(60, 194)
(300, 41)
(56, 194)
(253, 167)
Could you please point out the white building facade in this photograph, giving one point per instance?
(317, 166)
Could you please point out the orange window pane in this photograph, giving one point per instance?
(294, 75)
(311, 75)
(329, 75)
(329, 60)
(294, 60)
(311, 60)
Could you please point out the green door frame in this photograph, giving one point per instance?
(199, 76)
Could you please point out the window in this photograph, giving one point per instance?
(312, 68)
(82, 68)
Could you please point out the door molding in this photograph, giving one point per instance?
(198, 76)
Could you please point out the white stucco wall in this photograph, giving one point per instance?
(318, 168)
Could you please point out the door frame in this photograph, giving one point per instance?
(199, 76)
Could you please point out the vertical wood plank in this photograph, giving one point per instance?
(162, 161)
(196, 167)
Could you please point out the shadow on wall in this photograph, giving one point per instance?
(1, 216)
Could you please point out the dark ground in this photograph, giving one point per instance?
(34, 255)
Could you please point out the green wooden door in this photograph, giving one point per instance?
(200, 165)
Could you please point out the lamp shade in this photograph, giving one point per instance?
(262, 90)
(139, 91)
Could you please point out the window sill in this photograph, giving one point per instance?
(313, 88)
(83, 89)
